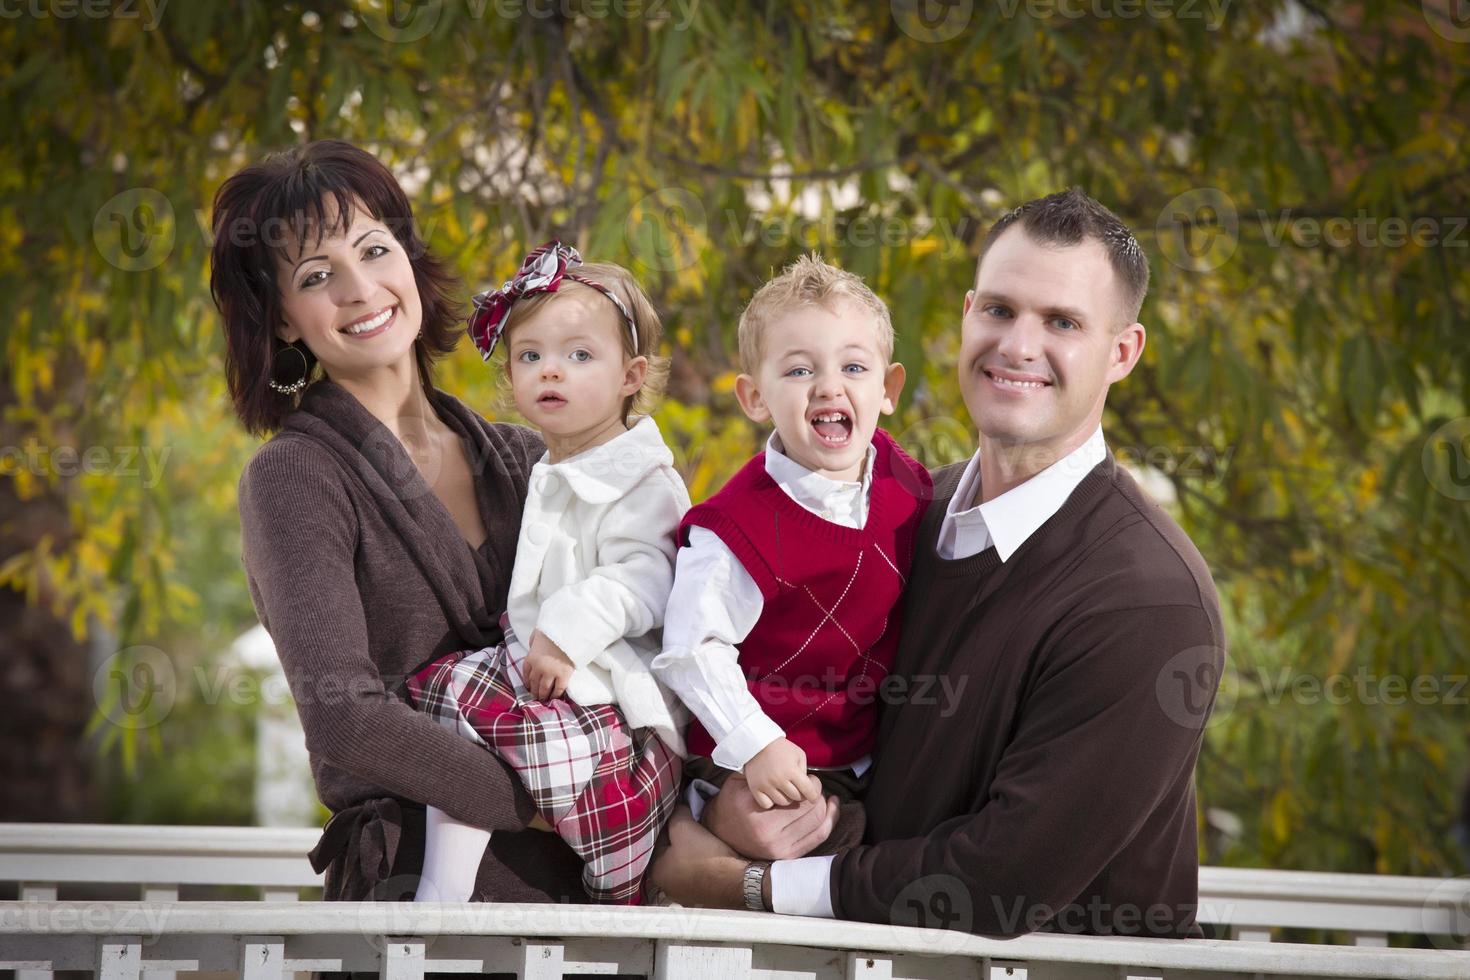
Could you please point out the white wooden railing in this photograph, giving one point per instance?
(161, 934)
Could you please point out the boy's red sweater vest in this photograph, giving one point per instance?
(832, 612)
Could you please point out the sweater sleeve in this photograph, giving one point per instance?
(1101, 733)
(626, 593)
(299, 532)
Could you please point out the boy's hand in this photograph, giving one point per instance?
(547, 668)
(777, 775)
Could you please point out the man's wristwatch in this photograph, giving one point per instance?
(752, 884)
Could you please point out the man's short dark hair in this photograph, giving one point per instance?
(1069, 217)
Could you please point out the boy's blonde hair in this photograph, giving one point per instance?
(809, 281)
(645, 318)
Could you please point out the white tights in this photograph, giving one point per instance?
(452, 855)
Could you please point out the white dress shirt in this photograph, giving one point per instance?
(803, 886)
(715, 604)
(593, 568)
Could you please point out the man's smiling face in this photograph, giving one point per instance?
(1043, 336)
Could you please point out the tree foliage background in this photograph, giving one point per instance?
(1303, 397)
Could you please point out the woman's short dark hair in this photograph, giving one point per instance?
(284, 198)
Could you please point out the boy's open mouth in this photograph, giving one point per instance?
(833, 427)
(551, 400)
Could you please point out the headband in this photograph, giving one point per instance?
(542, 272)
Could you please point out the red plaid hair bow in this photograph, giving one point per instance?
(542, 272)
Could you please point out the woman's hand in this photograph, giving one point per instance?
(548, 669)
(774, 834)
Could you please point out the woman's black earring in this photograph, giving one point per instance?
(295, 386)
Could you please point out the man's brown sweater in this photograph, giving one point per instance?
(1036, 769)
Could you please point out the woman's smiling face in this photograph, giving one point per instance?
(349, 296)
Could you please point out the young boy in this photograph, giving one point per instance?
(784, 614)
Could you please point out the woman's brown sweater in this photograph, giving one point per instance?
(360, 574)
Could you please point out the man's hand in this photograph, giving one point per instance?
(774, 834)
(547, 669)
(697, 869)
(777, 775)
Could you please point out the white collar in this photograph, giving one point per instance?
(812, 490)
(604, 473)
(1016, 514)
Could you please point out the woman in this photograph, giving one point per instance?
(379, 522)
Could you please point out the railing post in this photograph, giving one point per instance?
(34, 891)
(262, 957)
(119, 957)
(1247, 934)
(867, 966)
(543, 961)
(403, 959)
(679, 961)
(1370, 939)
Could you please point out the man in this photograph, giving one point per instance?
(1080, 623)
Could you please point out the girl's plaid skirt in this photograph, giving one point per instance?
(606, 789)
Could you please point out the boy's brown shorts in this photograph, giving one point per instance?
(848, 787)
